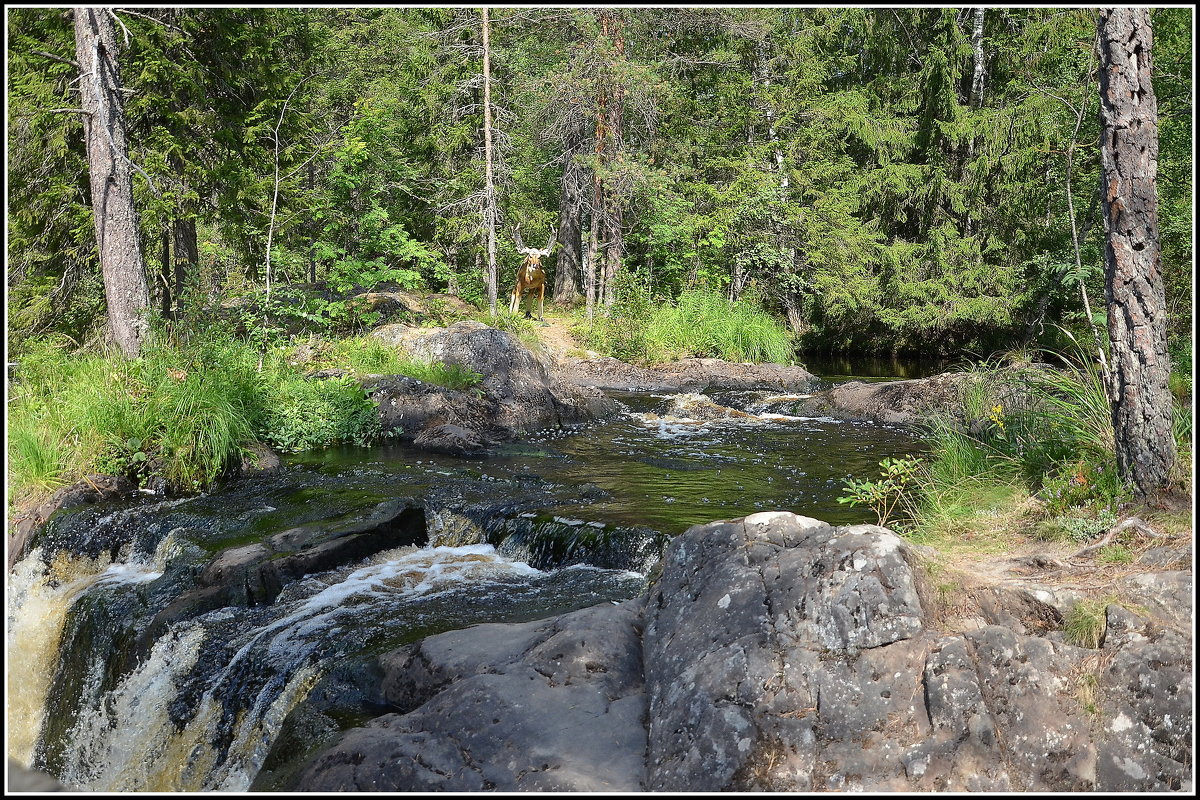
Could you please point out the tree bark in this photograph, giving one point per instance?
(111, 179)
(187, 261)
(977, 52)
(614, 235)
(489, 200)
(1141, 399)
(570, 233)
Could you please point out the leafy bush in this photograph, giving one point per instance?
(883, 495)
(304, 414)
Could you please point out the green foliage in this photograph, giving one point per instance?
(885, 494)
(304, 414)
(702, 323)
(1078, 526)
(184, 412)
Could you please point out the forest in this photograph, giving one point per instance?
(920, 181)
(844, 443)
(881, 179)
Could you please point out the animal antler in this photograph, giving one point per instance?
(521, 248)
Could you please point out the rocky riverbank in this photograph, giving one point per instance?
(778, 653)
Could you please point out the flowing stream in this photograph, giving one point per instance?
(222, 699)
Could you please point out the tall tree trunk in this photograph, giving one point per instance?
(570, 234)
(164, 272)
(593, 254)
(489, 200)
(977, 51)
(187, 260)
(111, 179)
(1137, 325)
(614, 234)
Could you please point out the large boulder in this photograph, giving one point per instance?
(553, 706)
(779, 653)
(516, 395)
(903, 402)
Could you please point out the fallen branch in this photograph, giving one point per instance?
(1135, 523)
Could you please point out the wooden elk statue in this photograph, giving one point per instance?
(531, 277)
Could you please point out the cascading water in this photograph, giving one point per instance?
(105, 699)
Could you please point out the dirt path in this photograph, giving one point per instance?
(556, 337)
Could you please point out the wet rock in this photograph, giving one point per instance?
(701, 408)
(779, 653)
(452, 440)
(254, 574)
(907, 401)
(686, 375)
(28, 521)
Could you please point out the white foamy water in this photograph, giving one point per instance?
(130, 743)
(39, 598)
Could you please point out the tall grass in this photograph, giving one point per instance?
(1027, 430)
(700, 323)
(184, 412)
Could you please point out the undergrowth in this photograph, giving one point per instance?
(183, 412)
(701, 323)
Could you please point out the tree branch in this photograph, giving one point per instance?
(53, 57)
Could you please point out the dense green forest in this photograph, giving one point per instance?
(882, 179)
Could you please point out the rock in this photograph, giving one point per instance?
(779, 653)
(28, 521)
(686, 375)
(399, 335)
(410, 406)
(452, 440)
(259, 459)
(517, 395)
(254, 574)
(388, 302)
(905, 401)
(701, 408)
(538, 706)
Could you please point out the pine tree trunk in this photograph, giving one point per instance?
(1141, 400)
(570, 234)
(614, 235)
(111, 179)
(489, 203)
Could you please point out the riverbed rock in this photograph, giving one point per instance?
(28, 520)
(780, 653)
(685, 375)
(539, 706)
(516, 396)
(254, 574)
(902, 402)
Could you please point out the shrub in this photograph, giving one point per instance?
(304, 414)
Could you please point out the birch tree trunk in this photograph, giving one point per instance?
(110, 175)
(1137, 326)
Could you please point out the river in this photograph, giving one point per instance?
(224, 700)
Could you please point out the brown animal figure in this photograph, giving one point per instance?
(530, 276)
